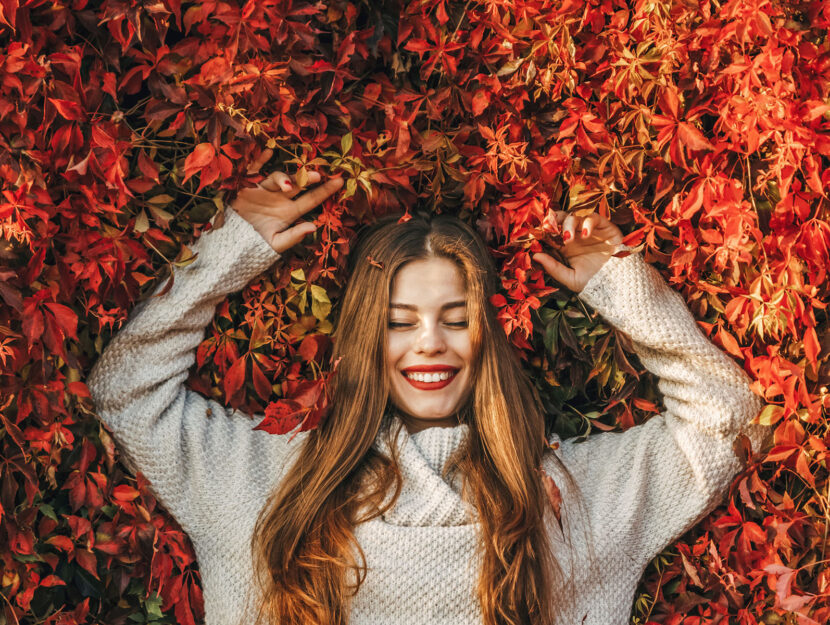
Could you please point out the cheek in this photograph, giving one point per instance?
(396, 347)
(463, 346)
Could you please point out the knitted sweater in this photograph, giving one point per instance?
(641, 488)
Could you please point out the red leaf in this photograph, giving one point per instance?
(313, 346)
(307, 392)
(8, 12)
(481, 100)
(261, 384)
(692, 138)
(68, 109)
(811, 345)
(78, 388)
(234, 378)
(88, 561)
(729, 343)
(124, 493)
(33, 325)
(802, 465)
(281, 417)
(64, 543)
(148, 167)
(66, 318)
(202, 155)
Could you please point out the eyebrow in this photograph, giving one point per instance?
(447, 306)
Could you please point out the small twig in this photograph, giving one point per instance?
(17, 622)
(656, 594)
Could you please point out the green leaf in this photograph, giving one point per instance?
(153, 606)
(48, 511)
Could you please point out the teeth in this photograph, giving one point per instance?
(430, 377)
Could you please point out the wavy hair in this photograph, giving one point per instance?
(303, 545)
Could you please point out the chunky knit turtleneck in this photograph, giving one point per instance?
(632, 493)
(425, 498)
(437, 444)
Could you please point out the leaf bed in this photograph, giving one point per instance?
(125, 127)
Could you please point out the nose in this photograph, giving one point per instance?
(430, 340)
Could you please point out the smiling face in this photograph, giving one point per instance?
(429, 355)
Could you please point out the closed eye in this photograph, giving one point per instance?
(399, 324)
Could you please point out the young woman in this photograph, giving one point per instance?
(423, 496)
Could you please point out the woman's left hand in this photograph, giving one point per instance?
(587, 243)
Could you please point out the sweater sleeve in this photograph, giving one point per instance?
(201, 458)
(644, 487)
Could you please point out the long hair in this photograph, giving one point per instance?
(304, 544)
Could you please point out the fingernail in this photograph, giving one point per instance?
(566, 235)
(585, 232)
(287, 184)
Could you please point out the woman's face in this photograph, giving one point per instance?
(429, 351)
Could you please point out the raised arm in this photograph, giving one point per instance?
(200, 458)
(646, 486)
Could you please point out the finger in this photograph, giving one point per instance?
(588, 225)
(279, 181)
(260, 160)
(559, 272)
(568, 228)
(291, 236)
(315, 197)
(312, 177)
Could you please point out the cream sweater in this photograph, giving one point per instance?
(641, 488)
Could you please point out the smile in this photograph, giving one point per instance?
(429, 380)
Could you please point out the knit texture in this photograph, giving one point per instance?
(632, 494)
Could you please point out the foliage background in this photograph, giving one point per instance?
(701, 128)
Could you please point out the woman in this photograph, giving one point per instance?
(419, 498)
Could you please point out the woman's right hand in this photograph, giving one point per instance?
(273, 206)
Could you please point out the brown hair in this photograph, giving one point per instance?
(303, 545)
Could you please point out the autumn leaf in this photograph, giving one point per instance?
(201, 156)
(700, 129)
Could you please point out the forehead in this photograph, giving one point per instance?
(428, 282)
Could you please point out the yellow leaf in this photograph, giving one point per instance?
(142, 224)
(302, 177)
(161, 199)
(319, 294)
(346, 142)
(770, 414)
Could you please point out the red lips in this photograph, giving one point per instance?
(430, 386)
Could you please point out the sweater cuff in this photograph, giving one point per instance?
(238, 234)
(619, 280)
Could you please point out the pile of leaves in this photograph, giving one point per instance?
(701, 128)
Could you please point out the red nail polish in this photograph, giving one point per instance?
(566, 235)
(585, 232)
(287, 184)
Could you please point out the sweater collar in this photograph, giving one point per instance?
(426, 498)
